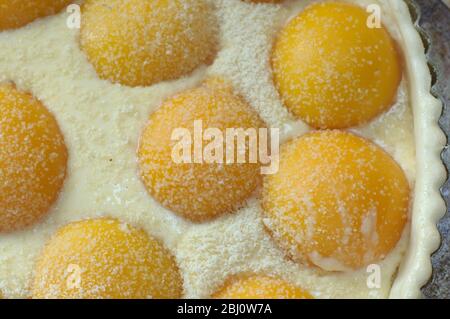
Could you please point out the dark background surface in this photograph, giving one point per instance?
(435, 20)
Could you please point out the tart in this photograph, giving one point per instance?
(96, 203)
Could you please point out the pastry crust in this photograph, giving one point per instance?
(428, 206)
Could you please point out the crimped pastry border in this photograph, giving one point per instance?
(428, 205)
